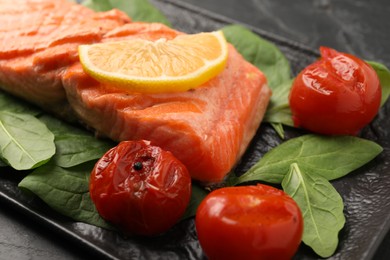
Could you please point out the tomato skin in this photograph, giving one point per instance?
(337, 95)
(140, 188)
(249, 222)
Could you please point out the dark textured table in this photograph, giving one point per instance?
(356, 26)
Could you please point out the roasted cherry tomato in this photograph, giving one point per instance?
(336, 95)
(249, 222)
(140, 188)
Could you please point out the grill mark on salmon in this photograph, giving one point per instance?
(208, 129)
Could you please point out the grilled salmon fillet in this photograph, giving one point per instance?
(208, 128)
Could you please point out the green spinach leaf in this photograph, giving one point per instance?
(278, 110)
(278, 127)
(321, 206)
(261, 53)
(73, 145)
(25, 142)
(138, 10)
(328, 156)
(66, 191)
(384, 77)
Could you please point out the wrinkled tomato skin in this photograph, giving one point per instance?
(249, 222)
(337, 95)
(140, 188)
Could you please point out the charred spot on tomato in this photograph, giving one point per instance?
(145, 162)
(137, 166)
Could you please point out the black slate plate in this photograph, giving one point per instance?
(365, 192)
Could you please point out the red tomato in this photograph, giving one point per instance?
(338, 94)
(140, 188)
(249, 222)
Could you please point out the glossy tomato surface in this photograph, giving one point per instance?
(140, 188)
(249, 222)
(336, 95)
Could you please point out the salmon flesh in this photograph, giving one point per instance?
(208, 128)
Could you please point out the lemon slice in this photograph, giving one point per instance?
(140, 65)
